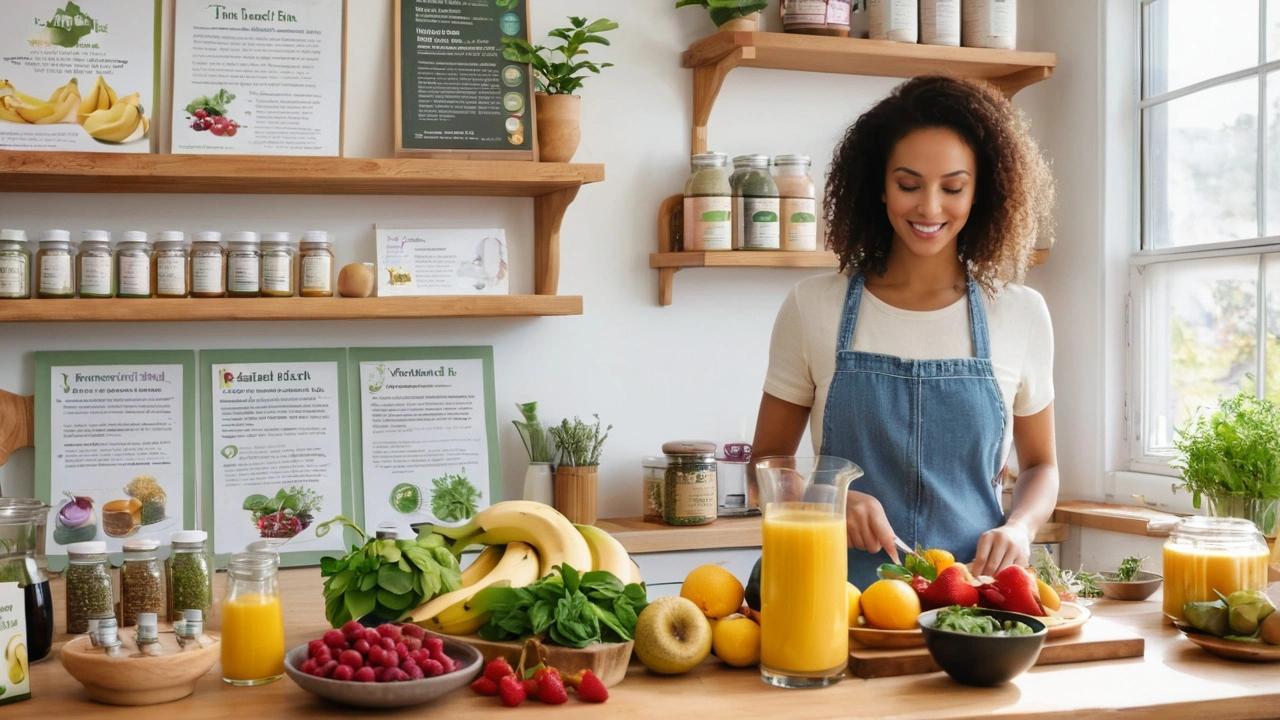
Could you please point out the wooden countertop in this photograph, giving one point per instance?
(1174, 679)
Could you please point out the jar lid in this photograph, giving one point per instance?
(170, 245)
(316, 236)
(147, 619)
(243, 237)
(797, 159)
(654, 461)
(55, 244)
(13, 235)
(689, 447)
(55, 236)
(714, 159)
(189, 536)
(275, 237)
(171, 236)
(141, 544)
(754, 160)
(207, 236)
(95, 236)
(133, 236)
(95, 547)
(132, 245)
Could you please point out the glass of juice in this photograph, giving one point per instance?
(1204, 554)
(804, 617)
(252, 620)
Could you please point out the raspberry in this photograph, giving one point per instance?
(314, 647)
(402, 650)
(375, 656)
(413, 631)
(484, 686)
(412, 643)
(411, 669)
(352, 630)
(446, 662)
(361, 646)
(335, 640)
(309, 667)
(497, 669)
(432, 668)
(365, 674)
(344, 672)
(327, 669)
(380, 674)
(372, 637)
(420, 656)
(434, 645)
(387, 630)
(351, 658)
(387, 644)
(511, 691)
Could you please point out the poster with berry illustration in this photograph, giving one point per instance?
(258, 77)
(79, 75)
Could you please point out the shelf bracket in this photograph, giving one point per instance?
(707, 80)
(17, 423)
(1011, 84)
(667, 215)
(548, 213)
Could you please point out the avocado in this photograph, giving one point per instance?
(752, 595)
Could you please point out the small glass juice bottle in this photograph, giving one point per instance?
(252, 620)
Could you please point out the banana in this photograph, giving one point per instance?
(635, 573)
(71, 88)
(540, 525)
(62, 111)
(450, 614)
(7, 112)
(484, 563)
(114, 125)
(606, 552)
(101, 97)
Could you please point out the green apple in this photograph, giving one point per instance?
(672, 636)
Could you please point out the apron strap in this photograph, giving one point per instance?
(978, 323)
(852, 300)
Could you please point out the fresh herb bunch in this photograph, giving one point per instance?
(564, 77)
(1234, 450)
(580, 444)
(453, 497)
(532, 434)
(572, 610)
(911, 566)
(1129, 568)
(386, 578)
(1068, 584)
(722, 11)
(215, 104)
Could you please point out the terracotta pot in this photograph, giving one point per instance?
(575, 493)
(746, 23)
(559, 126)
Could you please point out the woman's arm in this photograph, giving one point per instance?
(1035, 493)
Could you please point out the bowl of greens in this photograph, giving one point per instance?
(982, 647)
(1129, 581)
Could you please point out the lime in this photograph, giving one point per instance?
(405, 498)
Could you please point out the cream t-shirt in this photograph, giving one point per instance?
(802, 353)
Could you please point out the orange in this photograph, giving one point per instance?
(714, 590)
(890, 605)
(736, 641)
(855, 606)
(939, 559)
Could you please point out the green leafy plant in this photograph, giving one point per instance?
(971, 621)
(215, 104)
(386, 578)
(1129, 569)
(287, 513)
(722, 11)
(579, 443)
(1070, 585)
(569, 609)
(1234, 450)
(565, 76)
(532, 433)
(453, 497)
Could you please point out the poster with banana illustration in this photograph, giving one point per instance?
(79, 75)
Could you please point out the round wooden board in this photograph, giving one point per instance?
(1232, 649)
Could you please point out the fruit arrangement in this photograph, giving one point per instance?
(541, 682)
(102, 114)
(676, 634)
(1244, 616)
(18, 107)
(285, 514)
(209, 114)
(387, 653)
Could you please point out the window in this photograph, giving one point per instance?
(1205, 284)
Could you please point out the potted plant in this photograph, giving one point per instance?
(731, 14)
(559, 110)
(576, 474)
(537, 479)
(1232, 457)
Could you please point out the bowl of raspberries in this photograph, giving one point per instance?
(387, 666)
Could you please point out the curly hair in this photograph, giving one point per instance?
(1013, 196)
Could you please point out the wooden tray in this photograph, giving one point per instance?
(607, 661)
(1232, 649)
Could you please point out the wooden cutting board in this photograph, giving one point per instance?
(1098, 639)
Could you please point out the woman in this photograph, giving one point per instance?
(921, 360)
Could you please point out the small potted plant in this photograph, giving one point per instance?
(1129, 581)
(537, 479)
(1232, 457)
(731, 14)
(559, 110)
(576, 478)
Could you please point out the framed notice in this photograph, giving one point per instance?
(456, 96)
(427, 432)
(274, 432)
(79, 76)
(115, 446)
(258, 77)
(442, 262)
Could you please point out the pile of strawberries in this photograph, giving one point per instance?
(388, 653)
(1013, 589)
(541, 682)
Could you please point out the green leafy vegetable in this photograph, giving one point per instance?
(214, 105)
(911, 566)
(569, 609)
(1129, 568)
(971, 621)
(454, 497)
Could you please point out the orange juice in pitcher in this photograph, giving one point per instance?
(1207, 554)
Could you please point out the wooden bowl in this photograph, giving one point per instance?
(607, 661)
(130, 679)
(1140, 588)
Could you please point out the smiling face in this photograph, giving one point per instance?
(929, 191)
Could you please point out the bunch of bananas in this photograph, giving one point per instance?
(109, 118)
(19, 107)
(525, 540)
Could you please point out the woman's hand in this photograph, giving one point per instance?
(867, 525)
(1009, 544)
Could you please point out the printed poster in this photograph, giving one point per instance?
(442, 262)
(79, 75)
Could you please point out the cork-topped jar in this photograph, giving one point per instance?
(689, 485)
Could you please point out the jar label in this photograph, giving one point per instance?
(135, 275)
(940, 22)
(171, 276)
(893, 20)
(317, 273)
(707, 223)
(95, 275)
(804, 13)
(206, 274)
(799, 224)
(55, 274)
(760, 229)
(653, 499)
(989, 23)
(277, 273)
(693, 499)
(837, 12)
(242, 274)
(13, 275)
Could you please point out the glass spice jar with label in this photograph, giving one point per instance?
(278, 274)
(133, 266)
(55, 265)
(798, 205)
(15, 265)
(655, 473)
(755, 204)
(141, 581)
(244, 262)
(171, 266)
(89, 588)
(208, 265)
(315, 266)
(95, 265)
(689, 484)
(708, 204)
(189, 574)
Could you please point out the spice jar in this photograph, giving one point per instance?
(189, 574)
(15, 265)
(655, 472)
(171, 266)
(96, 269)
(133, 266)
(278, 272)
(243, 265)
(895, 20)
(816, 17)
(1208, 554)
(208, 266)
(252, 620)
(708, 204)
(940, 22)
(89, 588)
(141, 581)
(689, 484)
(315, 273)
(755, 204)
(55, 260)
(989, 24)
(797, 202)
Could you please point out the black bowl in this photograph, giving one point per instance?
(983, 660)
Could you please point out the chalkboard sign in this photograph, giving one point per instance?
(456, 97)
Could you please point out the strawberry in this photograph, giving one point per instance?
(497, 669)
(1013, 589)
(951, 588)
(920, 585)
(511, 691)
(485, 686)
(530, 688)
(550, 687)
(591, 688)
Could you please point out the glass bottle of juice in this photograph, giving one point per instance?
(1204, 554)
(252, 620)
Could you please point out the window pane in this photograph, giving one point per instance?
(1202, 320)
(1190, 40)
(1271, 388)
(1201, 155)
(1272, 185)
(1273, 30)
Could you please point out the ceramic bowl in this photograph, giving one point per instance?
(1139, 588)
(388, 695)
(983, 660)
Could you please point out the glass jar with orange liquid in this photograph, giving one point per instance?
(1204, 554)
(252, 620)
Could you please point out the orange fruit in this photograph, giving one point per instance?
(890, 605)
(1048, 596)
(855, 606)
(715, 591)
(939, 559)
(736, 641)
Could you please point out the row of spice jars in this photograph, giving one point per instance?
(253, 265)
(765, 204)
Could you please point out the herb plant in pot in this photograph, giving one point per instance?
(1232, 457)
(731, 14)
(576, 481)
(559, 110)
(537, 479)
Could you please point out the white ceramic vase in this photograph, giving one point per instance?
(538, 483)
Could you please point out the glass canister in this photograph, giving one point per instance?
(189, 574)
(141, 581)
(96, 267)
(655, 473)
(816, 17)
(171, 267)
(22, 538)
(55, 265)
(315, 265)
(89, 588)
(689, 483)
(244, 260)
(252, 620)
(1204, 554)
(708, 204)
(278, 273)
(755, 204)
(797, 202)
(15, 265)
(208, 266)
(133, 266)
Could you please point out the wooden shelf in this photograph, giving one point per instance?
(335, 308)
(712, 57)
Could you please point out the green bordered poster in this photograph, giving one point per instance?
(427, 432)
(274, 443)
(115, 446)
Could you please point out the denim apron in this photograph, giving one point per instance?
(926, 433)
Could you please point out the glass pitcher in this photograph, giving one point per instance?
(804, 616)
(22, 529)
